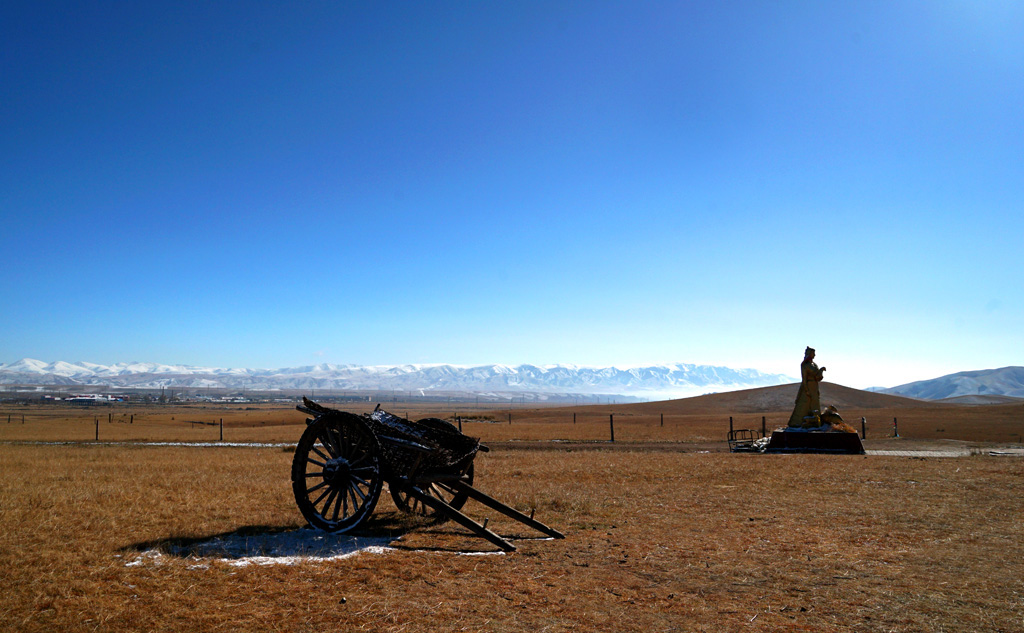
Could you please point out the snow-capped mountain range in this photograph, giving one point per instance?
(676, 380)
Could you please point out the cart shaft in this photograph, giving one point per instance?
(494, 504)
(459, 518)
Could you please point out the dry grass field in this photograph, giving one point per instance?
(655, 540)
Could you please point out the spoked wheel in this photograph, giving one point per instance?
(336, 472)
(438, 490)
(439, 424)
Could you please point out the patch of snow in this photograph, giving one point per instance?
(294, 560)
(150, 556)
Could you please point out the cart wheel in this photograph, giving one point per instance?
(439, 424)
(439, 490)
(336, 474)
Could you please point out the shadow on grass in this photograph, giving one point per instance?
(287, 542)
(280, 541)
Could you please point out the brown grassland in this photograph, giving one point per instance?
(698, 420)
(678, 540)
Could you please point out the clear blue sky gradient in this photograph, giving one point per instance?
(280, 184)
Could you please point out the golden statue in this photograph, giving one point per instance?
(807, 412)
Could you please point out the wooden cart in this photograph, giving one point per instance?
(343, 460)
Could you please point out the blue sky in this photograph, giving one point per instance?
(279, 184)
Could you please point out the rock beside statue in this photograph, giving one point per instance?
(827, 421)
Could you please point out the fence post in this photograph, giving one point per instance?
(132, 420)
(663, 419)
(611, 424)
(863, 429)
(510, 418)
(764, 427)
(97, 420)
(730, 426)
(574, 417)
(460, 424)
(222, 429)
(895, 428)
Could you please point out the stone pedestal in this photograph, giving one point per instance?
(798, 441)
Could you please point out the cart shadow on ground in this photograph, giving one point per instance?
(396, 532)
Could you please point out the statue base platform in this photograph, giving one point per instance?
(798, 441)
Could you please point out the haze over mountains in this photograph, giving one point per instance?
(658, 381)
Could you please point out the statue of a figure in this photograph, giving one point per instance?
(808, 400)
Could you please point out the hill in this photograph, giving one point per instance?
(979, 400)
(707, 417)
(775, 399)
(1005, 381)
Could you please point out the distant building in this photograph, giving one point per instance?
(93, 398)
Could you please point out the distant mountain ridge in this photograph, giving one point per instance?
(675, 380)
(1005, 381)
